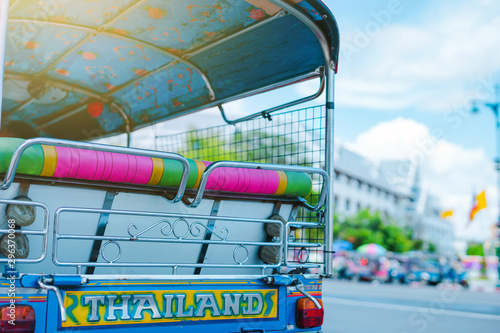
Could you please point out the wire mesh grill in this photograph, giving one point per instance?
(292, 138)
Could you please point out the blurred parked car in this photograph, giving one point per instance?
(397, 270)
(433, 270)
(428, 271)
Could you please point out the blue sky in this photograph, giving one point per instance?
(408, 71)
(355, 16)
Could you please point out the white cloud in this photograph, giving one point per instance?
(449, 171)
(394, 139)
(428, 66)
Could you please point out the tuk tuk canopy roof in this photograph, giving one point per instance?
(82, 69)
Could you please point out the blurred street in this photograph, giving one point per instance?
(394, 308)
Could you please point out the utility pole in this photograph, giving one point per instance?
(495, 107)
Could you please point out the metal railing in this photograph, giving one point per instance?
(169, 233)
(178, 229)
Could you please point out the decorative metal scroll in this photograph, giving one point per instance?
(104, 246)
(240, 253)
(238, 258)
(194, 229)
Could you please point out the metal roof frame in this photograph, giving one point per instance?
(287, 9)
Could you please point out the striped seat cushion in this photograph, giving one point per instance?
(73, 163)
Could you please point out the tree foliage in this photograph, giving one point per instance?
(475, 250)
(366, 227)
(432, 247)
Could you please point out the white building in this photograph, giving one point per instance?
(392, 188)
(360, 185)
(423, 215)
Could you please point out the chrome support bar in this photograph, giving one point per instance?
(56, 290)
(43, 232)
(263, 166)
(167, 277)
(165, 240)
(126, 121)
(329, 164)
(11, 171)
(267, 113)
(330, 67)
(294, 244)
(300, 288)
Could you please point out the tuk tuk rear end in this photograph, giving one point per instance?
(102, 238)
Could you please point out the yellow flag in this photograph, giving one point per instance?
(447, 213)
(479, 203)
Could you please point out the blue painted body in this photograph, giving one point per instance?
(48, 316)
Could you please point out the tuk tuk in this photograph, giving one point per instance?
(115, 238)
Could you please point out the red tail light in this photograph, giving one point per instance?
(308, 315)
(22, 316)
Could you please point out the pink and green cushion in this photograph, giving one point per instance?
(73, 163)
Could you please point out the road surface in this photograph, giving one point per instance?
(366, 307)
